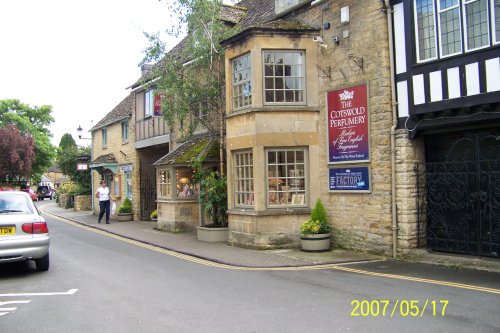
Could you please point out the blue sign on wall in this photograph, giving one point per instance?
(349, 179)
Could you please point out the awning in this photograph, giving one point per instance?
(105, 162)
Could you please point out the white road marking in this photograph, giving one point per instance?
(8, 309)
(15, 302)
(69, 292)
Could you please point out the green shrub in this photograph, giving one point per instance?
(126, 207)
(154, 214)
(318, 223)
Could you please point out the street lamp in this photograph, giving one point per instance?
(80, 131)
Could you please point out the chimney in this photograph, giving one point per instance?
(146, 68)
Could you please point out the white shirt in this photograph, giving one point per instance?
(103, 193)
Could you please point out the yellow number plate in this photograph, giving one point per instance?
(7, 231)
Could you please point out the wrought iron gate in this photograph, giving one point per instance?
(148, 180)
(463, 192)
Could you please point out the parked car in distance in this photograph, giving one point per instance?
(30, 192)
(45, 191)
(24, 234)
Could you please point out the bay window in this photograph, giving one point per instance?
(286, 177)
(180, 187)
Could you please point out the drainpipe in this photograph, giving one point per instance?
(389, 12)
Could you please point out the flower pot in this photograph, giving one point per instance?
(122, 217)
(315, 243)
(212, 235)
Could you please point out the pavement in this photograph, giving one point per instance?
(188, 244)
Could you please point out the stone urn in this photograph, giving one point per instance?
(123, 217)
(315, 242)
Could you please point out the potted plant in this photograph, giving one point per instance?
(154, 215)
(124, 212)
(315, 232)
(213, 202)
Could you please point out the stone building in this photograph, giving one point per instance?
(309, 116)
(114, 157)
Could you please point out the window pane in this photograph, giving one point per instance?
(184, 183)
(497, 20)
(451, 38)
(286, 180)
(284, 78)
(477, 24)
(426, 37)
(242, 81)
(243, 171)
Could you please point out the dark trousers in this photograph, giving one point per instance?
(104, 206)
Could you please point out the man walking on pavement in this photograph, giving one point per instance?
(104, 201)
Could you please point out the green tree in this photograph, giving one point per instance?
(33, 121)
(67, 159)
(191, 77)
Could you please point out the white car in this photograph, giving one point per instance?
(24, 234)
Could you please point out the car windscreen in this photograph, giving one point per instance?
(14, 203)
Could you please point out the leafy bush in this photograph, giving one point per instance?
(318, 223)
(154, 214)
(126, 207)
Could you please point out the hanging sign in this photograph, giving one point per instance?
(157, 104)
(350, 179)
(348, 136)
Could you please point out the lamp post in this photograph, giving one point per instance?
(79, 130)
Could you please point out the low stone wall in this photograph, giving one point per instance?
(83, 202)
(178, 216)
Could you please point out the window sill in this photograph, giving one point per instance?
(280, 108)
(271, 211)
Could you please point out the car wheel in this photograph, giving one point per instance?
(43, 263)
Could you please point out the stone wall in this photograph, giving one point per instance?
(83, 202)
(178, 216)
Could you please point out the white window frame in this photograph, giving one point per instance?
(494, 9)
(488, 25)
(461, 6)
(244, 188)
(164, 177)
(441, 11)
(124, 125)
(294, 178)
(274, 89)
(242, 88)
(417, 37)
(128, 185)
(149, 103)
(104, 133)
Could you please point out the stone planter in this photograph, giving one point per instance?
(315, 243)
(123, 217)
(212, 235)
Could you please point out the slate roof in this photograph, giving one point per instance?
(121, 111)
(202, 146)
(108, 158)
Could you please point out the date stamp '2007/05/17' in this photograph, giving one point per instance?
(403, 308)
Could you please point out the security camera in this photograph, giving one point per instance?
(317, 39)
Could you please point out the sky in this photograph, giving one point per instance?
(78, 56)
